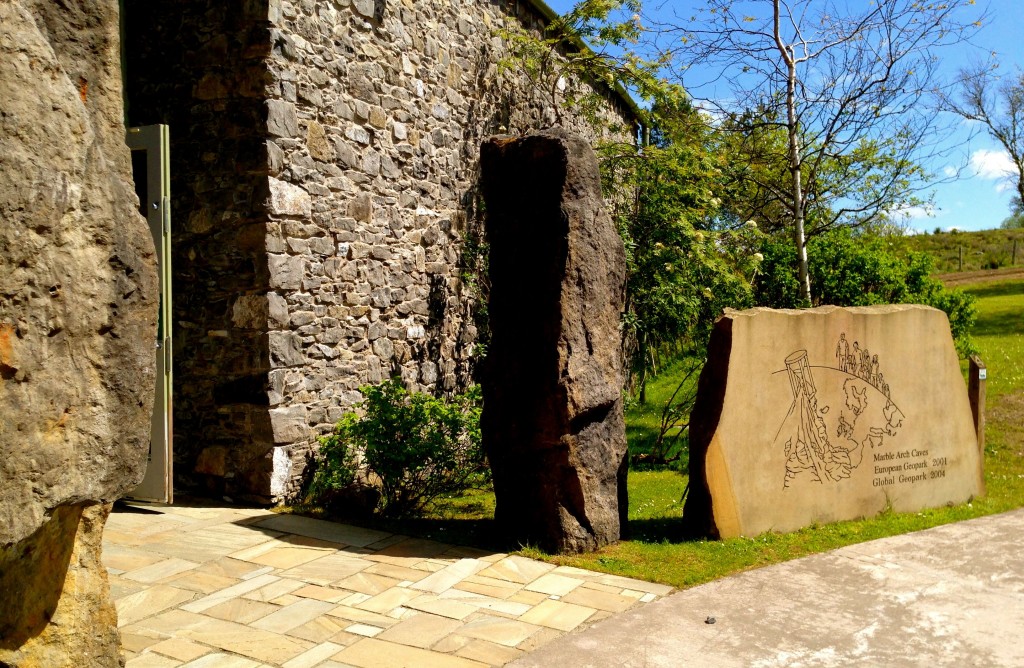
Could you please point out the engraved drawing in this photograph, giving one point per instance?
(827, 448)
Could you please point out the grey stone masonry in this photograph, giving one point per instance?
(325, 245)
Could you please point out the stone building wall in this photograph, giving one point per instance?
(342, 258)
(382, 108)
(200, 67)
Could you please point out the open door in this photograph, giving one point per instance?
(151, 170)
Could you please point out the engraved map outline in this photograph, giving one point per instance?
(812, 451)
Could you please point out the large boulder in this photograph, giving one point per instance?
(78, 304)
(828, 414)
(552, 424)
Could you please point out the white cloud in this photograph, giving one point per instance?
(710, 110)
(993, 165)
(949, 171)
(917, 212)
(918, 219)
(970, 124)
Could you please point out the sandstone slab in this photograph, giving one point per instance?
(828, 414)
(552, 424)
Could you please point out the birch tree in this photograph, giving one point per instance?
(846, 82)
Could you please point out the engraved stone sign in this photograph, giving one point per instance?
(828, 414)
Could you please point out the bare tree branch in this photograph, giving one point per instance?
(851, 85)
(998, 104)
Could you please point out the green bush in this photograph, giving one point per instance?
(335, 465)
(777, 286)
(995, 260)
(859, 270)
(414, 447)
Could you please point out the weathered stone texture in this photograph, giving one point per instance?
(828, 414)
(392, 101)
(553, 425)
(57, 606)
(335, 168)
(78, 304)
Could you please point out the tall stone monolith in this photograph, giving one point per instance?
(78, 302)
(553, 424)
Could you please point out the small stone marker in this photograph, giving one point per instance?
(828, 414)
(552, 424)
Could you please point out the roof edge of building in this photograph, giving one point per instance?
(617, 88)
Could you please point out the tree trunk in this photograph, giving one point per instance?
(792, 129)
(1018, 207)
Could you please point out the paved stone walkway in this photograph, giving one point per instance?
(948, 596)
(222, 587)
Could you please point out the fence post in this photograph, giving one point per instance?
(961, 253)
(976, 392)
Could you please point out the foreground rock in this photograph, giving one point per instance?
(552, 425)
(77, 325)
(829, 414)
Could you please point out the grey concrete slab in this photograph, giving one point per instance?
(948, 596)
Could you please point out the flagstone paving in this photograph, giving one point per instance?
(225, 587)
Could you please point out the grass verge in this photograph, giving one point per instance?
(656, 553)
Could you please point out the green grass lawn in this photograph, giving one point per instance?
(644, 420)
(999, 333)
(656, 550)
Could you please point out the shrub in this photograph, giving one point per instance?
(992, 260)
(413, 446)
(335, 464)
(777, 285)
(859, 270)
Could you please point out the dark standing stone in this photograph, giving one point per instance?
(553, 425)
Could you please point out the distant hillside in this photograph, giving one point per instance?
(987, 249)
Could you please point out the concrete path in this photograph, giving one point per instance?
(219, 587)
(949, 596)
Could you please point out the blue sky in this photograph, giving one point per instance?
(980, 197)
